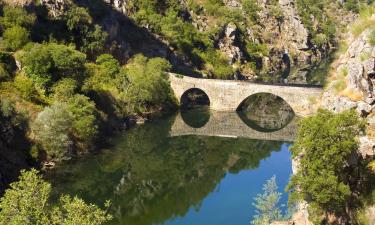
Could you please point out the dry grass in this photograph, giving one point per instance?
(18, 3)
(352, 94)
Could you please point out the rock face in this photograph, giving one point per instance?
(228, 44)
(356, 68)
(56, 8)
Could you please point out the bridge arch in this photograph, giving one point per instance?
(265, 112)
(194, 95)
(241, 104)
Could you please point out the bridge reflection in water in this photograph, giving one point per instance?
(229, 124)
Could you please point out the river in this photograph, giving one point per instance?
(157, 174)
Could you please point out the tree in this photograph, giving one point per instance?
(267, 204)
(15, 16)
(15, 38)
(52, 130)
(26, 203)
(84, 126)
(148, 85)
(26, 200)
(45, 64)
(325, 141)
(64, 89)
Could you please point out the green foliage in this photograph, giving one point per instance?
(351, 5)
(371, 37)
(64, 89)
(13, 16)
(48, 63)
(89, 37)
(323, 22)
(257, 50)
(109, 64)
(26, 87)
(251, 8)
(267, 204)
(216, 64)
(15, 38)
(326, 142)
(26, 200)
(52, 130)
(148, 84)
(26, 203)
(84, 124)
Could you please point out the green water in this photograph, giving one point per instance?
(153, 178)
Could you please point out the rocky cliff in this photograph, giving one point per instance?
(352, 84)
(252, 39)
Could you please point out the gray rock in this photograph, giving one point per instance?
(366, 147)
(364, 109)
(56, 8)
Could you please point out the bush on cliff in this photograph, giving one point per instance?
(325, 143)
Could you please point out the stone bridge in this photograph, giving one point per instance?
(229, 124)
(227, 95)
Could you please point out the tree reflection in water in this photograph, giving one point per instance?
(151, 177)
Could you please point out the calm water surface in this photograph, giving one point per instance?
(154, 178)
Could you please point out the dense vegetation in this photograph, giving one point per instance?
(65, 87)
(27, 202)
(326, 146)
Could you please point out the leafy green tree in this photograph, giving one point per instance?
(325, 142)
(109, 63)
(15, 38)
(94, 40)
(90, 38)
(26, 87)
(52, 130)
(26, 203)
(14, 16)
(64, 89)
(48, 63)
(266, 204)
(26, 200)
(148, 84)
(84, 126)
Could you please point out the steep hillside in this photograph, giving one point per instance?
(244, 39)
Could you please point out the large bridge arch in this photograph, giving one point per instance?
(227, 95)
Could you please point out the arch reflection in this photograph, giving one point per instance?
(265, 112)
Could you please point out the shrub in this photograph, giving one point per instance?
(15, 16)
(26, 87)
(64, 89)
(15, 38)
(371, 37)
(27, 203)
(52, 130)
(148, 85)
(48, 63)
(84, 120)
(326, 142)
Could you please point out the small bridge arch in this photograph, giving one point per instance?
(227, 95)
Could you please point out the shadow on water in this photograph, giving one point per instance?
(152, 178)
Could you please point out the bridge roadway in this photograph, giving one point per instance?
(229, 124)
(227, 95)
